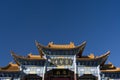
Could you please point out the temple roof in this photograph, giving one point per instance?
(30, 57)
(91, 57)
(54, 47)
(109, 68)
(10, 68)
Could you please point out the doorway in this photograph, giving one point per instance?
(32, 77)
(59, 74)
(88, 77)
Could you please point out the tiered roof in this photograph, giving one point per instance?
(78, 50)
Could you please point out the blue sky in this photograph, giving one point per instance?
(61, 21)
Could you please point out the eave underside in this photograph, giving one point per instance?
(76, 50)
(100, 60)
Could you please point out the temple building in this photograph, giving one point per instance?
(60, 62)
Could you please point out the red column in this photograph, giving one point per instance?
(75, 77)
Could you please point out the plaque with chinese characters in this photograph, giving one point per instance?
(62, 61)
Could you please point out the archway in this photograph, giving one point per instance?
(88, 77)
(59, 74)
(32, 77)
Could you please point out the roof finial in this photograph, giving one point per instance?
(91, 56)
(109, 62)
(36, 43)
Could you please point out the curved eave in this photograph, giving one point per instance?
(5, 67)
(103, 58)
(15, 57)
(109, 66)
(11, 71)
(23, 58)
(111, 70)
(10, 68)
(80, 48)
(3, 70)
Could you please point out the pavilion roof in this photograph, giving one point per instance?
(11, 67)
(29, 57)
(109, 68)
(102, 59)
(51, 46)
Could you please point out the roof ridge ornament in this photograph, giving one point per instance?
(52, 45)
(91, 56)
(109, 62)
(13, 64)
(39, 47)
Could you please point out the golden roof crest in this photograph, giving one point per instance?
(52, 45)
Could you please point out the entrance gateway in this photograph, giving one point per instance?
(58, 62)
(61, 61)
(59, 74)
